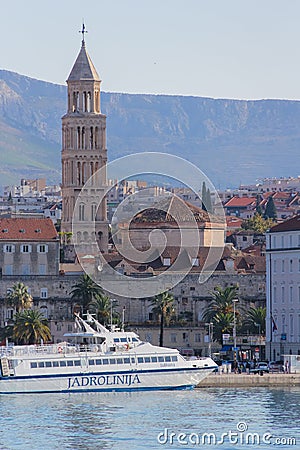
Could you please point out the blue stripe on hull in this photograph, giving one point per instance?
(135, 389)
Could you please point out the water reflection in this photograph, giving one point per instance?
(133, 421)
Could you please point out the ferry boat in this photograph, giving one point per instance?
(95, 358)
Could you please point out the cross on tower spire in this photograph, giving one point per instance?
(83, 31)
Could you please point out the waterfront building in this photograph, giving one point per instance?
(283, 289)
(29, 247)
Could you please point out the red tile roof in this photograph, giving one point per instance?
(238, 202)
(29, 229)
(292, 224)
(234, 222)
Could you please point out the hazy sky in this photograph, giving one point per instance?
(245, 49)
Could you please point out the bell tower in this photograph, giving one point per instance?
(84, 152)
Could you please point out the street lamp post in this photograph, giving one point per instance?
(234, 331)
(259, 341)
(210, 336)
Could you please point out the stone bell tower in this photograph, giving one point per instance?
(83, 153)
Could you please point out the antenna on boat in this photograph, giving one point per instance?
(123, 317)
(111, 314)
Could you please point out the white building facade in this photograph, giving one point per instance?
(283, 289)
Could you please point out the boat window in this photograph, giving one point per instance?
(112, 361)
(70, 363)
(92, 362)
(154, 358)
(135, 340)
(123, 339)
(140, 360)
(62, 363)
(98, 362)
(105, 361)
(126, 360)
(77, 362)
(33, 365)
(55, 364)
(147, 359)
(116, 339)
(168, 358)
(119, 361)
(41, 364)
(48, 364)
(174, 358)
(132, 360)
(161, 359)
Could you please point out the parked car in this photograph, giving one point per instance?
(276, 367)
(261, 367)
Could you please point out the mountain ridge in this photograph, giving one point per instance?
(232, 141)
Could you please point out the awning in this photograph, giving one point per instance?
(226, 348)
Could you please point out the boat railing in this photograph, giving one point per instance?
(62, 348)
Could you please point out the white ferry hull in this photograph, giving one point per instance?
(105, 382)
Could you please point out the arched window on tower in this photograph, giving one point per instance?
(83, 138)
(81, 212)
(75, 101)
(71, 137)
(78, 174)
(91, 138)
(72, 172)
(83, 174)
(93, 211)
(78, 137)
(84, 101)
(89, 101)
(96, 137)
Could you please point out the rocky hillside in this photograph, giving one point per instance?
(231, 141)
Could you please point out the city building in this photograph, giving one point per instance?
(28, 247)
(283, 289)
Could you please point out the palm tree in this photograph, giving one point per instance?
(85, 291)
(30, 327)
(163, 308)
(222, 302)
(104, 307)
(255, 320)
(220, 310)
(19, 297)
(222, 323)
(6, 333)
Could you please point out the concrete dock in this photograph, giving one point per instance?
(245, 380)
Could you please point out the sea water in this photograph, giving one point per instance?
(197, 419)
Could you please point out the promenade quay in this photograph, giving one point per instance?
(245, 380)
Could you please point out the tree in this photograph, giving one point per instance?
(258, 208)
(203, 196)
(220, 310)
(208, 201)
(270, 211)
(222, 323)
(30, 327)
(104, 308)
(258, 224)
(18, 297)
(6, 334)
(163, 308)
(255, 320)
(85, 291)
